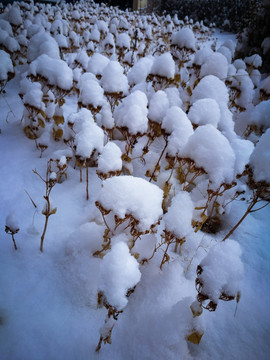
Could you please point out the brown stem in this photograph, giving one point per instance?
(87, 193)
(15, 246)
(153, 173)
(251, 205)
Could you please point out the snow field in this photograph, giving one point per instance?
(149, 131)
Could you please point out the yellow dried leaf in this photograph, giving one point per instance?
(58, 119)
(41, 123)
(57, 134)
(195, 337)
(30, 133)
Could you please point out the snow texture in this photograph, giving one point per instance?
(179, 216)
(259, 160)
(132, 113)
(55, 71)
(211, 151)
(119, 272)
(113, 78)
(128, 195)
(110, 159)
(6, 65)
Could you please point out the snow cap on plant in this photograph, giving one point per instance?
(211, 150)
(97, 63)
(164, 66)
(128, 195)
(179, 216)
(6, 65)
(215, 64)
(113, 78)
(55, 71)
(132, 113)
(184, 38)
(91, 93)
(139, 72)
(204, 111)
(259, 159)
(119, 272)
(158, 106)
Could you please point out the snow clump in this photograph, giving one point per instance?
(119, 272)
(179, 216)
(211, 87)
(139, 72)
(91, 93)
(204, 111)
(158, 105)
(113, 78)
(222, 270)
(42, 43)
(211, 150)
(110, 159)
(55, 71)
(259, 159)
(132, 113)
(97, 64)
(184, 38)
(6, 65)
(128, 195)
(215, 64)
(164, 66)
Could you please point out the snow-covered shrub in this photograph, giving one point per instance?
(6, 69)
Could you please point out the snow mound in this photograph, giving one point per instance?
(6, 65)
(259, 159)
(128, 195)
(205, 111)
(119, 272)
(132, 113)
(113, 78)
(211, 151)
(179, 216)
(164, 66)
(184, 38)
(222, 270)
(55, 71)
(110, 159)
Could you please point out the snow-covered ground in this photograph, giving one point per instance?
(49, 305)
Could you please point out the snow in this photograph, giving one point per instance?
(55, 71)
(175, 118)
(97, 63)
(110, 158)
(119, 272)
(215, 64)
(90, 137)
(211, 151)
(164, 66)
(91, 93)
(113, 78)
(132, 113)
(259, 159)
(139, 72)
(128, 195)
(211, 87)
(6, 65)
(158, 106)
(12, 222)
(42, 43)
(222, 270)
(184, 38)
(204, 111)
(49, 306)
(179, 216)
